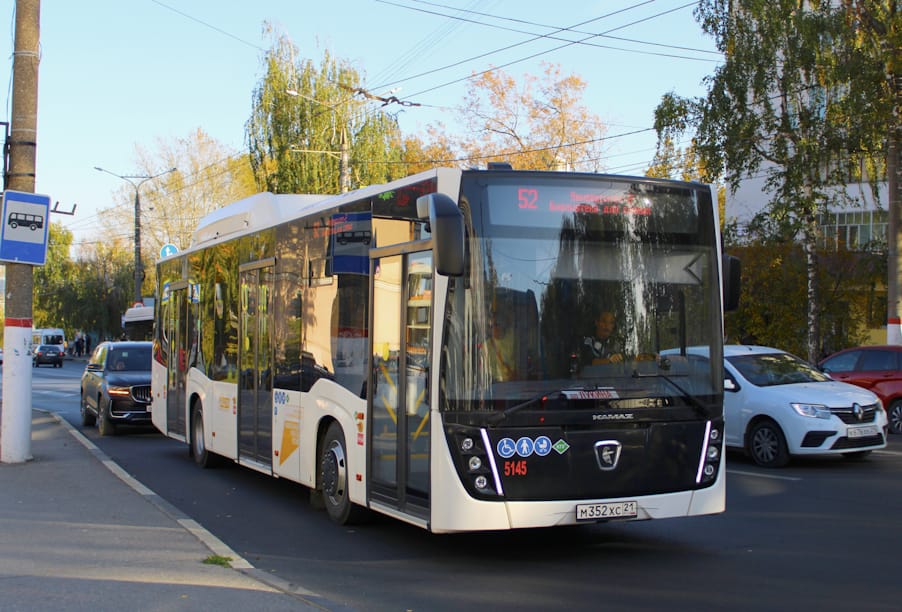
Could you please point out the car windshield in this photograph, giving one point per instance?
(129, 359)
(769, 369)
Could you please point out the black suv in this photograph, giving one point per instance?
(115, 387)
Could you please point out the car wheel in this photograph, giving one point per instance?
(105, 426)
(87, 418)
(766, 445)
(894, 416)
(333, 477)
(202, 457)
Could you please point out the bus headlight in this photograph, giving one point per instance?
(713, 452)
(473, 461)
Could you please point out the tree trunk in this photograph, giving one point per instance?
(894, 197)
(810, 238)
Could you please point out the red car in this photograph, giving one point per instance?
(878, 368)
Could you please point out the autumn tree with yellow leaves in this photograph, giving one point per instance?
(537, 123)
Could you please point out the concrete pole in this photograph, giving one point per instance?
(139, 266)
(15, 414)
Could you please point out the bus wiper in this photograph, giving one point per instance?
(500, 416)
(690, 399)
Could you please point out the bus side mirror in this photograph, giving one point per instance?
(446, 223)
(731, 268)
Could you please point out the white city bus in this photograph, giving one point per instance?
(349, 343)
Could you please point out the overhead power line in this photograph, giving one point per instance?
(505, 48)
(552, 27)
(558, 29)
(535, 55)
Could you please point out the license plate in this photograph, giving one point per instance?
(601, 512)
(861, 432)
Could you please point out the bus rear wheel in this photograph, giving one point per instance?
(333, 477)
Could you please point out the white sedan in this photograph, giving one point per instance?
(777, 405)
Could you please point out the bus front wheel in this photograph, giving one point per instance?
(202, 457)
(333, 476)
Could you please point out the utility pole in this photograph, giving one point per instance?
(15, 413)
(139, 266)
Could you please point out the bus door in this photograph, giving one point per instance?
(255, 359)
(399, 404)
(178, 323)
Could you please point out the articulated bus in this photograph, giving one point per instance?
(417, 348)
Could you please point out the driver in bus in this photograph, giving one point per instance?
(604, 346)
(502, 347)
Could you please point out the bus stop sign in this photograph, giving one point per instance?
(25, 229)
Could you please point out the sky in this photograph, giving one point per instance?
(116, 75)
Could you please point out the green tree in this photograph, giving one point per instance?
(874, 31)
(312, 129)
(777, 106)
(88, 293)
(777, 268)
(54, 295)
(102, 286)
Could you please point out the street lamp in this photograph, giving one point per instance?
(141, 179)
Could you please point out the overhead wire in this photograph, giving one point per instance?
(419, 50)
(546, 52)
(505, 48)
(553, 27)
(433, 71)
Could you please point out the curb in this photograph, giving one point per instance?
(213, 544)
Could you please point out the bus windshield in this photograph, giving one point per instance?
(576, 287)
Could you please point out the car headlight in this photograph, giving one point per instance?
(815, 411)
(119, 391)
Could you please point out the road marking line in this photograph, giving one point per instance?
(760, 475)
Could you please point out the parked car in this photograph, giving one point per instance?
(877, 368)
(115, 386)
(777, 406)
(47, 354)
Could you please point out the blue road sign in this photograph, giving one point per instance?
(167, 250)
(25, 228)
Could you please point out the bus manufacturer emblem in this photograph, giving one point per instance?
(607, 453)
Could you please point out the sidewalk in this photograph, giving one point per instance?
(78, 533)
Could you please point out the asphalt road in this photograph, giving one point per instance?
(821, 534)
